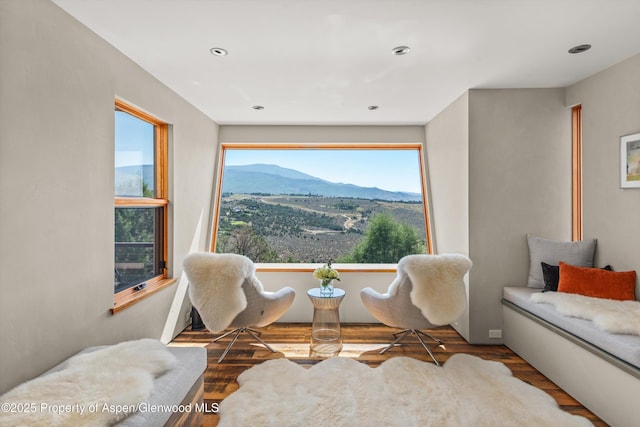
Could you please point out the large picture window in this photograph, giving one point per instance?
(348, 203)
(140, 189)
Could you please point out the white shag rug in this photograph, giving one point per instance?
(618, 317)
(95, 388)
(466, 391)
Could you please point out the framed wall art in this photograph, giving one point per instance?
(630, 161)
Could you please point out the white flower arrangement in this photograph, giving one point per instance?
(326, 273)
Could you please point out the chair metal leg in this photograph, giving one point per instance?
(395, 334)
(426, 348)
(257, 338)
(252, 332)
(226, 350)
(402, 335)
(225, 335)
(440, 343)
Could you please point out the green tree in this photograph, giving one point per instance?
(135, 243)
(385, 241)
(244, 241)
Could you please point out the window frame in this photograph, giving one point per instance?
(576, 173)
(130, 296)
(306, 267)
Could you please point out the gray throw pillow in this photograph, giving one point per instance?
(579, 253)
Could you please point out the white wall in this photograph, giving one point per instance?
(512, 154)
(354, 134)
(519, 182)
(610, 109)
(351, 308)
(58, 82)
(448, 171)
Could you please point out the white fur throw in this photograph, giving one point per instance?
(216, 286)
(96, 388)
(438, 285)
(342, 392)
(618, 317)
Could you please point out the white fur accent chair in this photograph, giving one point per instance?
(428, 292)
(227, 294)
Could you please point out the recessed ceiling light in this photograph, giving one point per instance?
(580, 48)
(401, 50)
(218, 51)
(258, 107)
(372, 107)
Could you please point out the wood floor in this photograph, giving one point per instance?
(361, 342)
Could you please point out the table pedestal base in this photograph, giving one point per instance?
(325, 330)
(325, 342)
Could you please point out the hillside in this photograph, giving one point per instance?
(310, 228)
(272, 179)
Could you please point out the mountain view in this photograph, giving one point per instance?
(275, 214)
(272, 179)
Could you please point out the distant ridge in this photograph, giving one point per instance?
(129, 179)
(273, 179)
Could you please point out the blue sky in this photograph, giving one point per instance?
(392, 170)
(134, 141)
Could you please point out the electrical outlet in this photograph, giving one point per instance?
(187, 317)
(495, 333)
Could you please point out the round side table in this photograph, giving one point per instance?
(325, 329)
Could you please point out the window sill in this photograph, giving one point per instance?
(342, 268)
(129, 297)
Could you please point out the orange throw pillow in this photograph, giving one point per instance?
(595, 282)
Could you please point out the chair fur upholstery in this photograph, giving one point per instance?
(226, 292)
(428, 292)
(216, 286)
(438, 287)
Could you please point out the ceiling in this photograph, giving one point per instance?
(325, 62)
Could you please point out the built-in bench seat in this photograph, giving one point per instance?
(176, 397)
(626, 348)
(599, 369)
(181, 387)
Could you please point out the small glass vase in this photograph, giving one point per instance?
(326, 288)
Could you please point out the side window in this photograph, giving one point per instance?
(140, 201)
(576, 172)
(285, 203)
